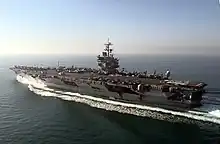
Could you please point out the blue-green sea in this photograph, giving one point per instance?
(31, 117)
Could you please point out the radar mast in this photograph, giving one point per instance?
(108, 49)
(107, 62)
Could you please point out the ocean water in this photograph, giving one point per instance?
(31, 116)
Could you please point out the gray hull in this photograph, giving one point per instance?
(109, 83)
(153, 98)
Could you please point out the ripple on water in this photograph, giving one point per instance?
(27, 118)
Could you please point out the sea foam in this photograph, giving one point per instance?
(39, 88)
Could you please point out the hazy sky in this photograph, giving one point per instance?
(134, 26)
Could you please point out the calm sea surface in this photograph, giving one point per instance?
(28, 118)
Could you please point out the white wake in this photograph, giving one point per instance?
(139, 110)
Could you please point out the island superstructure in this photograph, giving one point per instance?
(108, 82)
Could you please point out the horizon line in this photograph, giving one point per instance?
(125, 54)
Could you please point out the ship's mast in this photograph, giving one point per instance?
(108, 49)
(107, 62)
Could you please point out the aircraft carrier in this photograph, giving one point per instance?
(108, 82)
